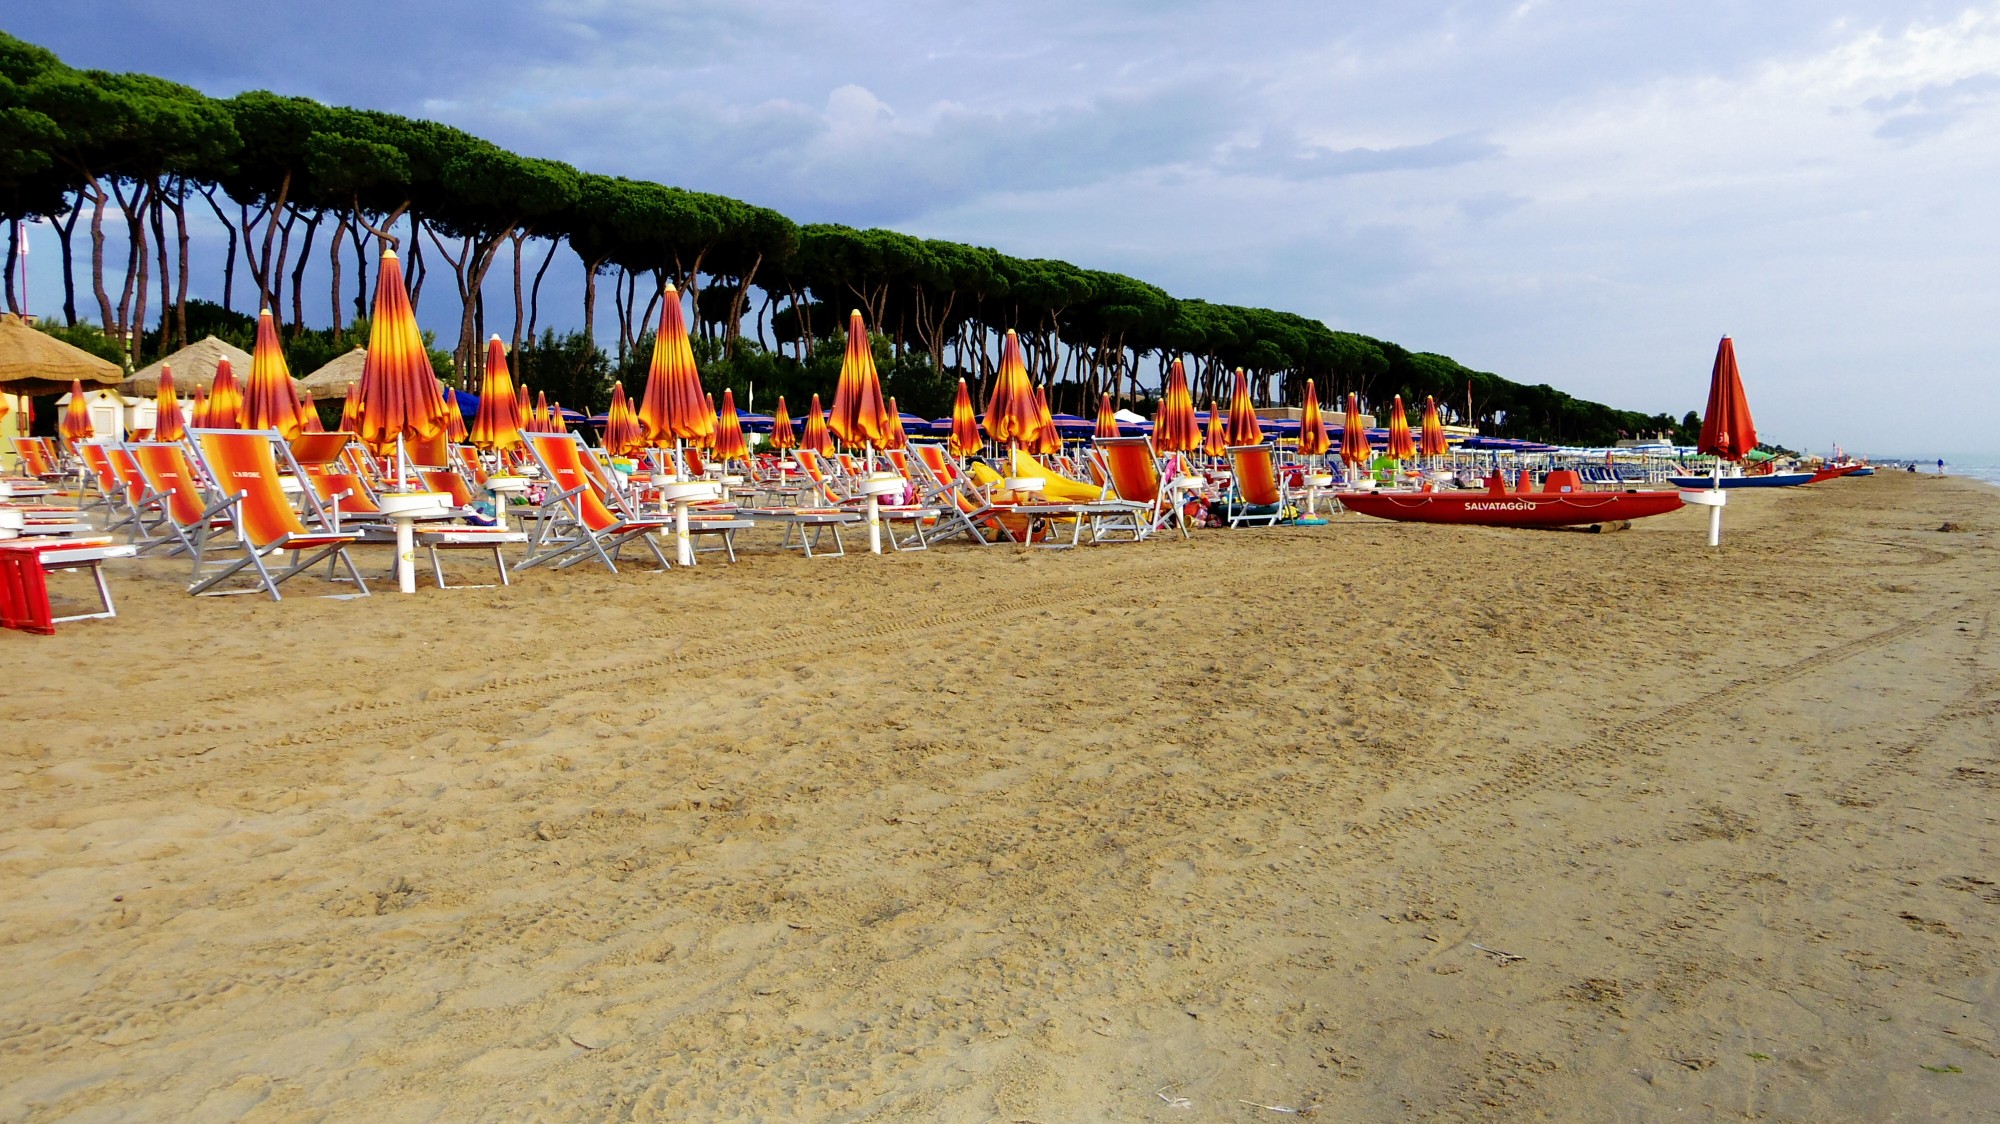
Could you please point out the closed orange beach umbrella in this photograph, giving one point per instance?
(673, 408)
(544, 423)
(1047, 439)
(225, 399)
(859, 417)
(964, 439)
(817, 437)
(269, 400)
(524, 408)
(1353, 437)
(1430, 439)
(557, 423)
(350, 409)
(783, 436)
(168, 424)
(496, 428)
(621, 429)
(1174, 427)
(1107, 418)
(1244, 428)
(1216, 441)
(198, 412)
(1314, 441)
(454, 418)
(76, 417)
(1401, 446)
(399, 396)
(1726, 429)
(894, 436)
(730, 443)
(309, 416)
(1012, 418)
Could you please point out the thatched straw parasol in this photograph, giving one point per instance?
(193, 366)
(332, 380)
(34, 362)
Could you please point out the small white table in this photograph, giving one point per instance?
(405, 510)
(683, 494)
(503, 489)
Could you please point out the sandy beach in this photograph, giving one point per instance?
(1369, 822)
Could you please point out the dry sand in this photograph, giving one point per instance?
(1399, 822)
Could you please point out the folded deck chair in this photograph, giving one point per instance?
(98, 473)
(244, 466)
(1255, 494)
(1133, 470)
(577, 522)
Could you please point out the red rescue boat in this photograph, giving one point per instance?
(1562, 502)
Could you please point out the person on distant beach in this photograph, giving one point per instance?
(1940, 466)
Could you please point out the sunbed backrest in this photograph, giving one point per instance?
(1135, 475)
(128, 471)
(100, 465)
(310, 449)
(935, 459)
(468, 460)
(431, 452)
(449, 482)
(243, 461)
(165, 467)
(357, 501)
(1256, 474)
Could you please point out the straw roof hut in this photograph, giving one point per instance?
(35, 362)
(332, 380)
(194, 365)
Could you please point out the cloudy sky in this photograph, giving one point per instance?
(1581, 193)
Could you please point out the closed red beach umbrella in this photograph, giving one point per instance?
(1107, 418)
(1726, 428)
(496, 427)
(783, 436)
(1174, 427)
(225, 399)
(269, 399)
(817, 437)
(1401, 446)
(399, 397)
(1243, 425)
(1314, 440)
(964, 439)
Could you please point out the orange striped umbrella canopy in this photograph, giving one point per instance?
(895, 437)
(621, 429)
(524, 408)
(225, 399)
(859, 417)
(1401, 446)
(817, 437)
(310, 415)
(1012, 418)
(269, 399)
(1353, 437)
(1107, 418)
(543, 423)
(1244, 428)
(454, 418)
(1215, 442)
(729, 441)
(1174, 427)
(1048, 439)
(398, 386)
(1313, 438)
(350, 410)
(673, 408)
(496, 428)
(1430, 440)
(964, 439)
(557, 423)
(168, 424)
(76, 418)
(198, 412)
(706, 442)
(783, 436)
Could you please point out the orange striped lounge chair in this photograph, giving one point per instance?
(244, 468)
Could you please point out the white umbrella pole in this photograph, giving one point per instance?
(874, 504)
(1715, 509)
